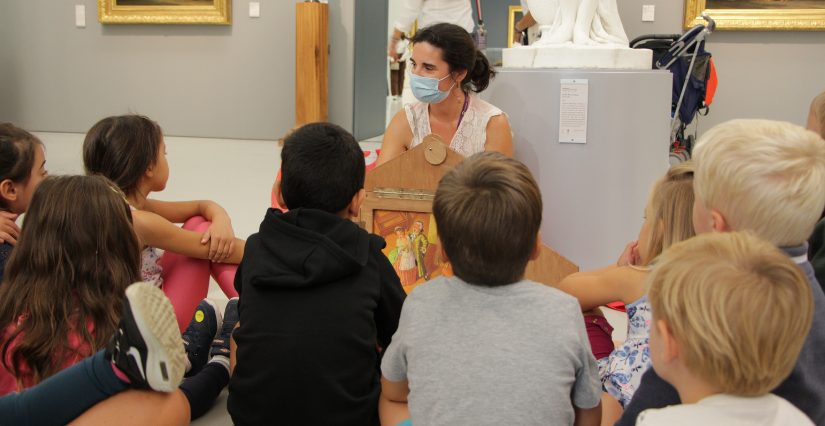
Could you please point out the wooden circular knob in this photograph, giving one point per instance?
(435, 152)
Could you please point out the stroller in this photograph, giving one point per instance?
(694, 79)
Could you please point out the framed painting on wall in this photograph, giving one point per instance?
(760, 15)
(215, 12)
(515, 15)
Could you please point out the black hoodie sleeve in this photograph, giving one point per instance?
(392, 296)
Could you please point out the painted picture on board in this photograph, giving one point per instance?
(163, 2)
(765, 4)
(412, 246)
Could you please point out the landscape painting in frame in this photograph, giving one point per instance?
(799, 15)
(216, 12)
(412, 246)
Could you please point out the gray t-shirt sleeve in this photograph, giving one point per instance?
(587, 391)
(394, 362)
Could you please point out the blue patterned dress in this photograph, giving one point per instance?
(622, 371)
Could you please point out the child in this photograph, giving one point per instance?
(147, 328)
(487, 346)
(22, 167)
(316, 292)
(816, 116)
(131, 152)
(722, 348)
(668, 220)
(60, 301)
(765, 177)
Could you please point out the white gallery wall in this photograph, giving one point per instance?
(237, 81)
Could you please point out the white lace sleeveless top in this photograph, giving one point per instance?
(471, 134)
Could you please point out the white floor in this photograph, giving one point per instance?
(238, 175)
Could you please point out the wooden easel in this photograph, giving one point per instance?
(407, 183)
(311, 63)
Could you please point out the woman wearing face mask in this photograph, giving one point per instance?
(446, 69)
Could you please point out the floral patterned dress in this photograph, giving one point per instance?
(621, 372)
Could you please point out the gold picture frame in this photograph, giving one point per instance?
(764, 19)
(515, 12)
(192, 12)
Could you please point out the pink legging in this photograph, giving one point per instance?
(186, 279)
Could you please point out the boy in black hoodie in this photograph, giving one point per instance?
(316, 295)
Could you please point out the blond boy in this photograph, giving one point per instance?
(718, 345)
(766, 177)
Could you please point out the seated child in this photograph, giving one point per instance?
(765, 177)
(722, 348)
(668, 220)
(487, 346)
(22, 167)
(316, 294)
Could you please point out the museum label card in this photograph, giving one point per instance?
(573, 111)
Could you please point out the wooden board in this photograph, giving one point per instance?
(311, 62)
(413, 170)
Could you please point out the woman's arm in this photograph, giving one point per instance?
(220, 233)
(397, 138)
(499, 137)
(622, 283)
(154, 230)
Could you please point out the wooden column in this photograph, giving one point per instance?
(311, 62)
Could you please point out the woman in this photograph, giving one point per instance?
(446, 68)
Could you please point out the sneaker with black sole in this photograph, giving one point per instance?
(198, 336)
(220, 346)
(146, 344)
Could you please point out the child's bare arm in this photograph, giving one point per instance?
(9, 231)
(623, 284)
(220, 234)
(392, 406)
(588, 416)
(156, 231)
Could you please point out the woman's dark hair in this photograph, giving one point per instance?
(122, 148)
(460, 52)
(76, 255)
(17, 149)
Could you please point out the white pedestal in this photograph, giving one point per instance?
(594, 193)
(569, 55)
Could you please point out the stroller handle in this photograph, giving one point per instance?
(711, 23)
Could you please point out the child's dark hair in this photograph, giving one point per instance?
(322, 167)
(460, 52)
(122, 148)
(76, 255)
(488, 210)
(17, 151)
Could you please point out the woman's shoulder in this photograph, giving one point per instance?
(483, 107)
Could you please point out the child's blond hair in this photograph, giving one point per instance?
(671, 206)
(738, 307)
(764, 176)
(818, 110)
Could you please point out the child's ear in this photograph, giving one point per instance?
(441, 253)
(279, 196)
(537, 248)
(8, 190)
(670, 347)
(720, 224)
(355, 205)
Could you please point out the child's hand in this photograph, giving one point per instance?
(9, 231)
(222, 239)
(630, 255)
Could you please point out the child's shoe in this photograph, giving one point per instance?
(199, 334)
(220, 346)
(145, 346)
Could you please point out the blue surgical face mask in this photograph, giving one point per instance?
(425, 89)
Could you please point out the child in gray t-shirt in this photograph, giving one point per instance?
(487, 346)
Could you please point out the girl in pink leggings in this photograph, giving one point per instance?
(130, 151)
